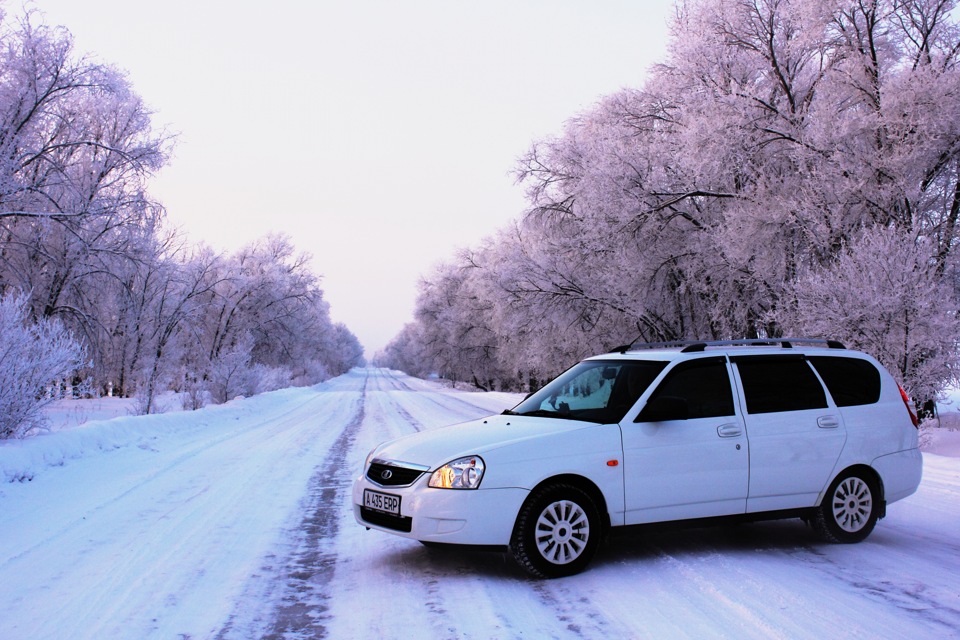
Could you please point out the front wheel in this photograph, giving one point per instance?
(849, 510)
(557, 532)
(434, 545)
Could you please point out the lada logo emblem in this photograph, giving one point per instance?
(387, 474)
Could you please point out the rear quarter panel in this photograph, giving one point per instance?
(882, 436)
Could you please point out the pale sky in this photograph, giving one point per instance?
(378, 134)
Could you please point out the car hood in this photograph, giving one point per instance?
(436, 447)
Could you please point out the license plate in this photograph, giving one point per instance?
(381, 502)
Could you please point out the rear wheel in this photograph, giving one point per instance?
(850, 508)
(557, 531)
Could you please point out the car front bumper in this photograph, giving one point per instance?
(451, 516)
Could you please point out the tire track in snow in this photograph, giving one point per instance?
(715, 593)
(456, 407)
(155, 534)
(911, 597)
(195, 448)
(573, 609)
(304, 606)
(431, 582)
(412, 581)
(397, 386)
(471, 409)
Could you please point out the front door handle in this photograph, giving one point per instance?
(729, 430)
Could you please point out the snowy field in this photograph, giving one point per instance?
(234, 522)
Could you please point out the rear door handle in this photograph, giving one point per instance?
(729, 430)
(828, 422)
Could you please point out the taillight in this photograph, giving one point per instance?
(909, 405)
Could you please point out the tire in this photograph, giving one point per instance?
(557, 532)
(433, 545)
(849, 509)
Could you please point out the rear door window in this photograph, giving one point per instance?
(851, 381)
(779, 383)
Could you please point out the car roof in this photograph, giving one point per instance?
(690, 349)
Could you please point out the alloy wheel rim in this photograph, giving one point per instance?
(562, 532)
(852, 504)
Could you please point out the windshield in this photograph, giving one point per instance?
(594, 391)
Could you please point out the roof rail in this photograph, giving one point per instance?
(689, 346)
(654, 345)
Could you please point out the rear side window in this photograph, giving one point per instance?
(703, 384)
(772, 384)
(851, 381)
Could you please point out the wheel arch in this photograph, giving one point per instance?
(869, 473)
(586, 485)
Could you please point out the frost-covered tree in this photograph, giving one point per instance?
(883, 294)
(404, 352)
(457, 338)
(75, 140)
(232, 372)
(33, 357)
(79, 231)
(774, 139)
(76, 149)
(173, 298)
(342, 352)
(264, 304)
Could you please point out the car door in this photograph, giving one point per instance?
(685, 453)
(796, 435)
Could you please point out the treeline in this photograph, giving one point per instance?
(792, 167)
(85, 250)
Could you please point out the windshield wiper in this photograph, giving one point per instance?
(544, 413)
(509, 412)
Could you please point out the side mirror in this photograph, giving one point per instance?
(663, 409)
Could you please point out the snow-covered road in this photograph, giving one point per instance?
(234, 522)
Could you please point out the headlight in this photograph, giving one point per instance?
(463, 473)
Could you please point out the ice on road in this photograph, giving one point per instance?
(235, 522)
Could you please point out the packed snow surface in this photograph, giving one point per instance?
(235, 522)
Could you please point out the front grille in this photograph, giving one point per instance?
(386, 520)
(399, 476)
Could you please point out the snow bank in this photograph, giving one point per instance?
(942, 434)
(943, 442)
(22, 460)
(69, 413)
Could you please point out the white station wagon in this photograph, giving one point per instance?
(743, 429)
